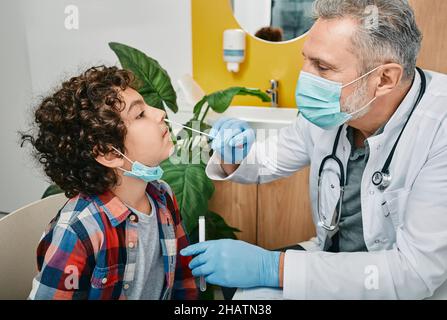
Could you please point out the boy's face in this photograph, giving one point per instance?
(148, 140)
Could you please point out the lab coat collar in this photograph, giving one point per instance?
(395, 123)
(399, 117)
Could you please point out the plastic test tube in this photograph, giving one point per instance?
(202, 239)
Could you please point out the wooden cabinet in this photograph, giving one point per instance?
(271, 215)
(236, 203)
(284, 212)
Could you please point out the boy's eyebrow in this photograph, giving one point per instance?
(135, 103)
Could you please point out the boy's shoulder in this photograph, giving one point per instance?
(76, 207)
(79, 220)
(80, 213)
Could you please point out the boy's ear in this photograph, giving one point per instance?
(110, 160)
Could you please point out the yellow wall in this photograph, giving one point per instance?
(264, 61)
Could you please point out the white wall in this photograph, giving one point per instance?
(38, 52)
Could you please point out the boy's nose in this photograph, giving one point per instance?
(158, 115)
(162, 116)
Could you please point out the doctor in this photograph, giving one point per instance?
(373, 129)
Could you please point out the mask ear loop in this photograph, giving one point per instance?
(366, 74)
(124, 157)
(369, 103)
(363, 108)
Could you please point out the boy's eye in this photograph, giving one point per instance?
(141, 115)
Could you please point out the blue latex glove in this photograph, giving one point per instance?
(232, 139)
(234, 263)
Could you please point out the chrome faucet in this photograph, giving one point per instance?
(273, 92)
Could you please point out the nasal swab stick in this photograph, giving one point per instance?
(202, 239)
(186, 127)
(181, 125)
(205, 134)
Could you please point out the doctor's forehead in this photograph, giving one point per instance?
(331, 41)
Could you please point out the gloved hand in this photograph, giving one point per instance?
(234, 263)
(232, 139)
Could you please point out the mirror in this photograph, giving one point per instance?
(274, 20)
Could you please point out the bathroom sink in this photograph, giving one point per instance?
(258, 117)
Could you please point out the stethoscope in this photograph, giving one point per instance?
(381, 179)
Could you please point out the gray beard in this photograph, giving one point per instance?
(356, 101)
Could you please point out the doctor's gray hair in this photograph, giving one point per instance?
(387, 31)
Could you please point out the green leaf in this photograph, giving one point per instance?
(218, 228)
(198, 107)
(51, 190)
(153, 81)
(192, 189)
(220, 101)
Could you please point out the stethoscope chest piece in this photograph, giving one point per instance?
(381, 180)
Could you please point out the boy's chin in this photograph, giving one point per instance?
(168, 153)
(171, 151)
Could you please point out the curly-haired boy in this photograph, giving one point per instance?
(120, 233)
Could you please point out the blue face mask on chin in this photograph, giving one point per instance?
(318, 100)
(141, 171)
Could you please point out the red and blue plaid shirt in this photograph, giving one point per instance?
(84, 255)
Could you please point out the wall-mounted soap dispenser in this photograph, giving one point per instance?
(234, 48)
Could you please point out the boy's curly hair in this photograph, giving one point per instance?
(77, 123)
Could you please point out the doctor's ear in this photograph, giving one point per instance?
(111, 159)
(390, 76)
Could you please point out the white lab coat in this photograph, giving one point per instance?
(404, 227)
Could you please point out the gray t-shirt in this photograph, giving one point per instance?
(350, 234)
(149, 270)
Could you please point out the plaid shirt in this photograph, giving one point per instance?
(84, 252)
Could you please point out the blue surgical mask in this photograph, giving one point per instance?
(140, 171)
(318, 100)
